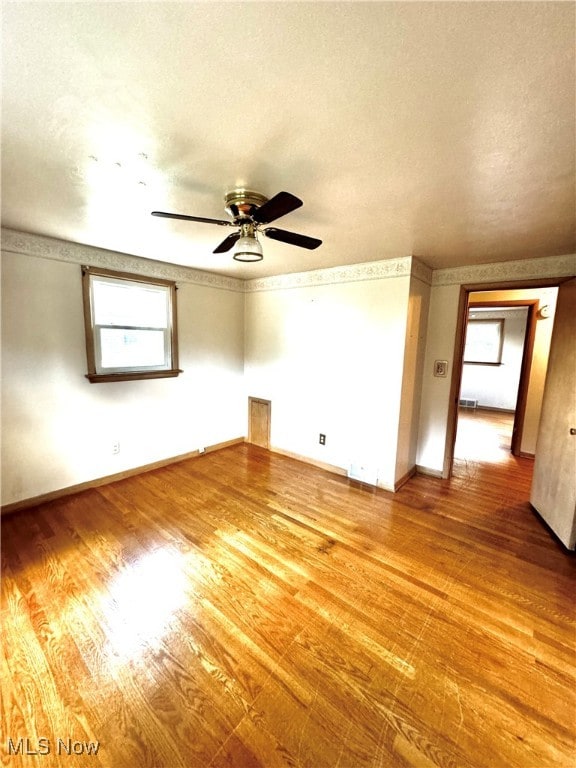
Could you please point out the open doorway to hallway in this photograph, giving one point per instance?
(502, 374)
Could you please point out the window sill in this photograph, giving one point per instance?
(481, 362)
(97, 378)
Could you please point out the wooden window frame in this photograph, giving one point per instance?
(128, 375)
(498, 357)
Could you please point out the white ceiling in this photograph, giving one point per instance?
(440, 130)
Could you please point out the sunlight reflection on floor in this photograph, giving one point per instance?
(141, 602)
(481, 436)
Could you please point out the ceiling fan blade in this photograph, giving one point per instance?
(277, 206)
(182, 216)
(303, 241)
(227, 243)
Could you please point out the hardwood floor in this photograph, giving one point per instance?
(483, 436)
(245, 609)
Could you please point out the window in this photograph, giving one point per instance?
(130, 326)
(484, 339)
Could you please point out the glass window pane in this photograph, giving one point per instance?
(130, 326)
(121, 348)
(125, 303)
(483, 341)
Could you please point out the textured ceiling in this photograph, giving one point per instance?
(440, 130)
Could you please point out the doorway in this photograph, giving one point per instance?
(259, 421)
(510, 426)
(494, 377)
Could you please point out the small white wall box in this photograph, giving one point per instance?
(363, 474)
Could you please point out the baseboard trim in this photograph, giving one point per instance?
(428, 472)
(307, 460)
(340, 470)
(493, 408)
(404, 479)
(525, 455)
(220, 446)
(97, 482)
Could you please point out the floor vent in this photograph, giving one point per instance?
(467, 403)
(363, 474)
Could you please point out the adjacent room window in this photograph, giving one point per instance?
(130, 326)
(484, 340)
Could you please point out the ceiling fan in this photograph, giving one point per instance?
(250, 211)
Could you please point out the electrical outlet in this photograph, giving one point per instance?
(322, 439)
(116, 446)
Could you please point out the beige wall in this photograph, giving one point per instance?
(348, 352)
(58, 429)
(414, 352)
(330, 358)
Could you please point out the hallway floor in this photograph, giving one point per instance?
(483, 435)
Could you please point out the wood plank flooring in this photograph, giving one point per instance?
(483, 436)
(245, 609)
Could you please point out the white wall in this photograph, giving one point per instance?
(330, 358)
(496, 386)
(58, 428)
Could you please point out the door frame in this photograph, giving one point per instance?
(526, 364)
(458, 356)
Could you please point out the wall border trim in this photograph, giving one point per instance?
(44, 247)
(522, 269)
(350, 273)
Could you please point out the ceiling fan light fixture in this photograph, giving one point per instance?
(248, 249)
(251, 211)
